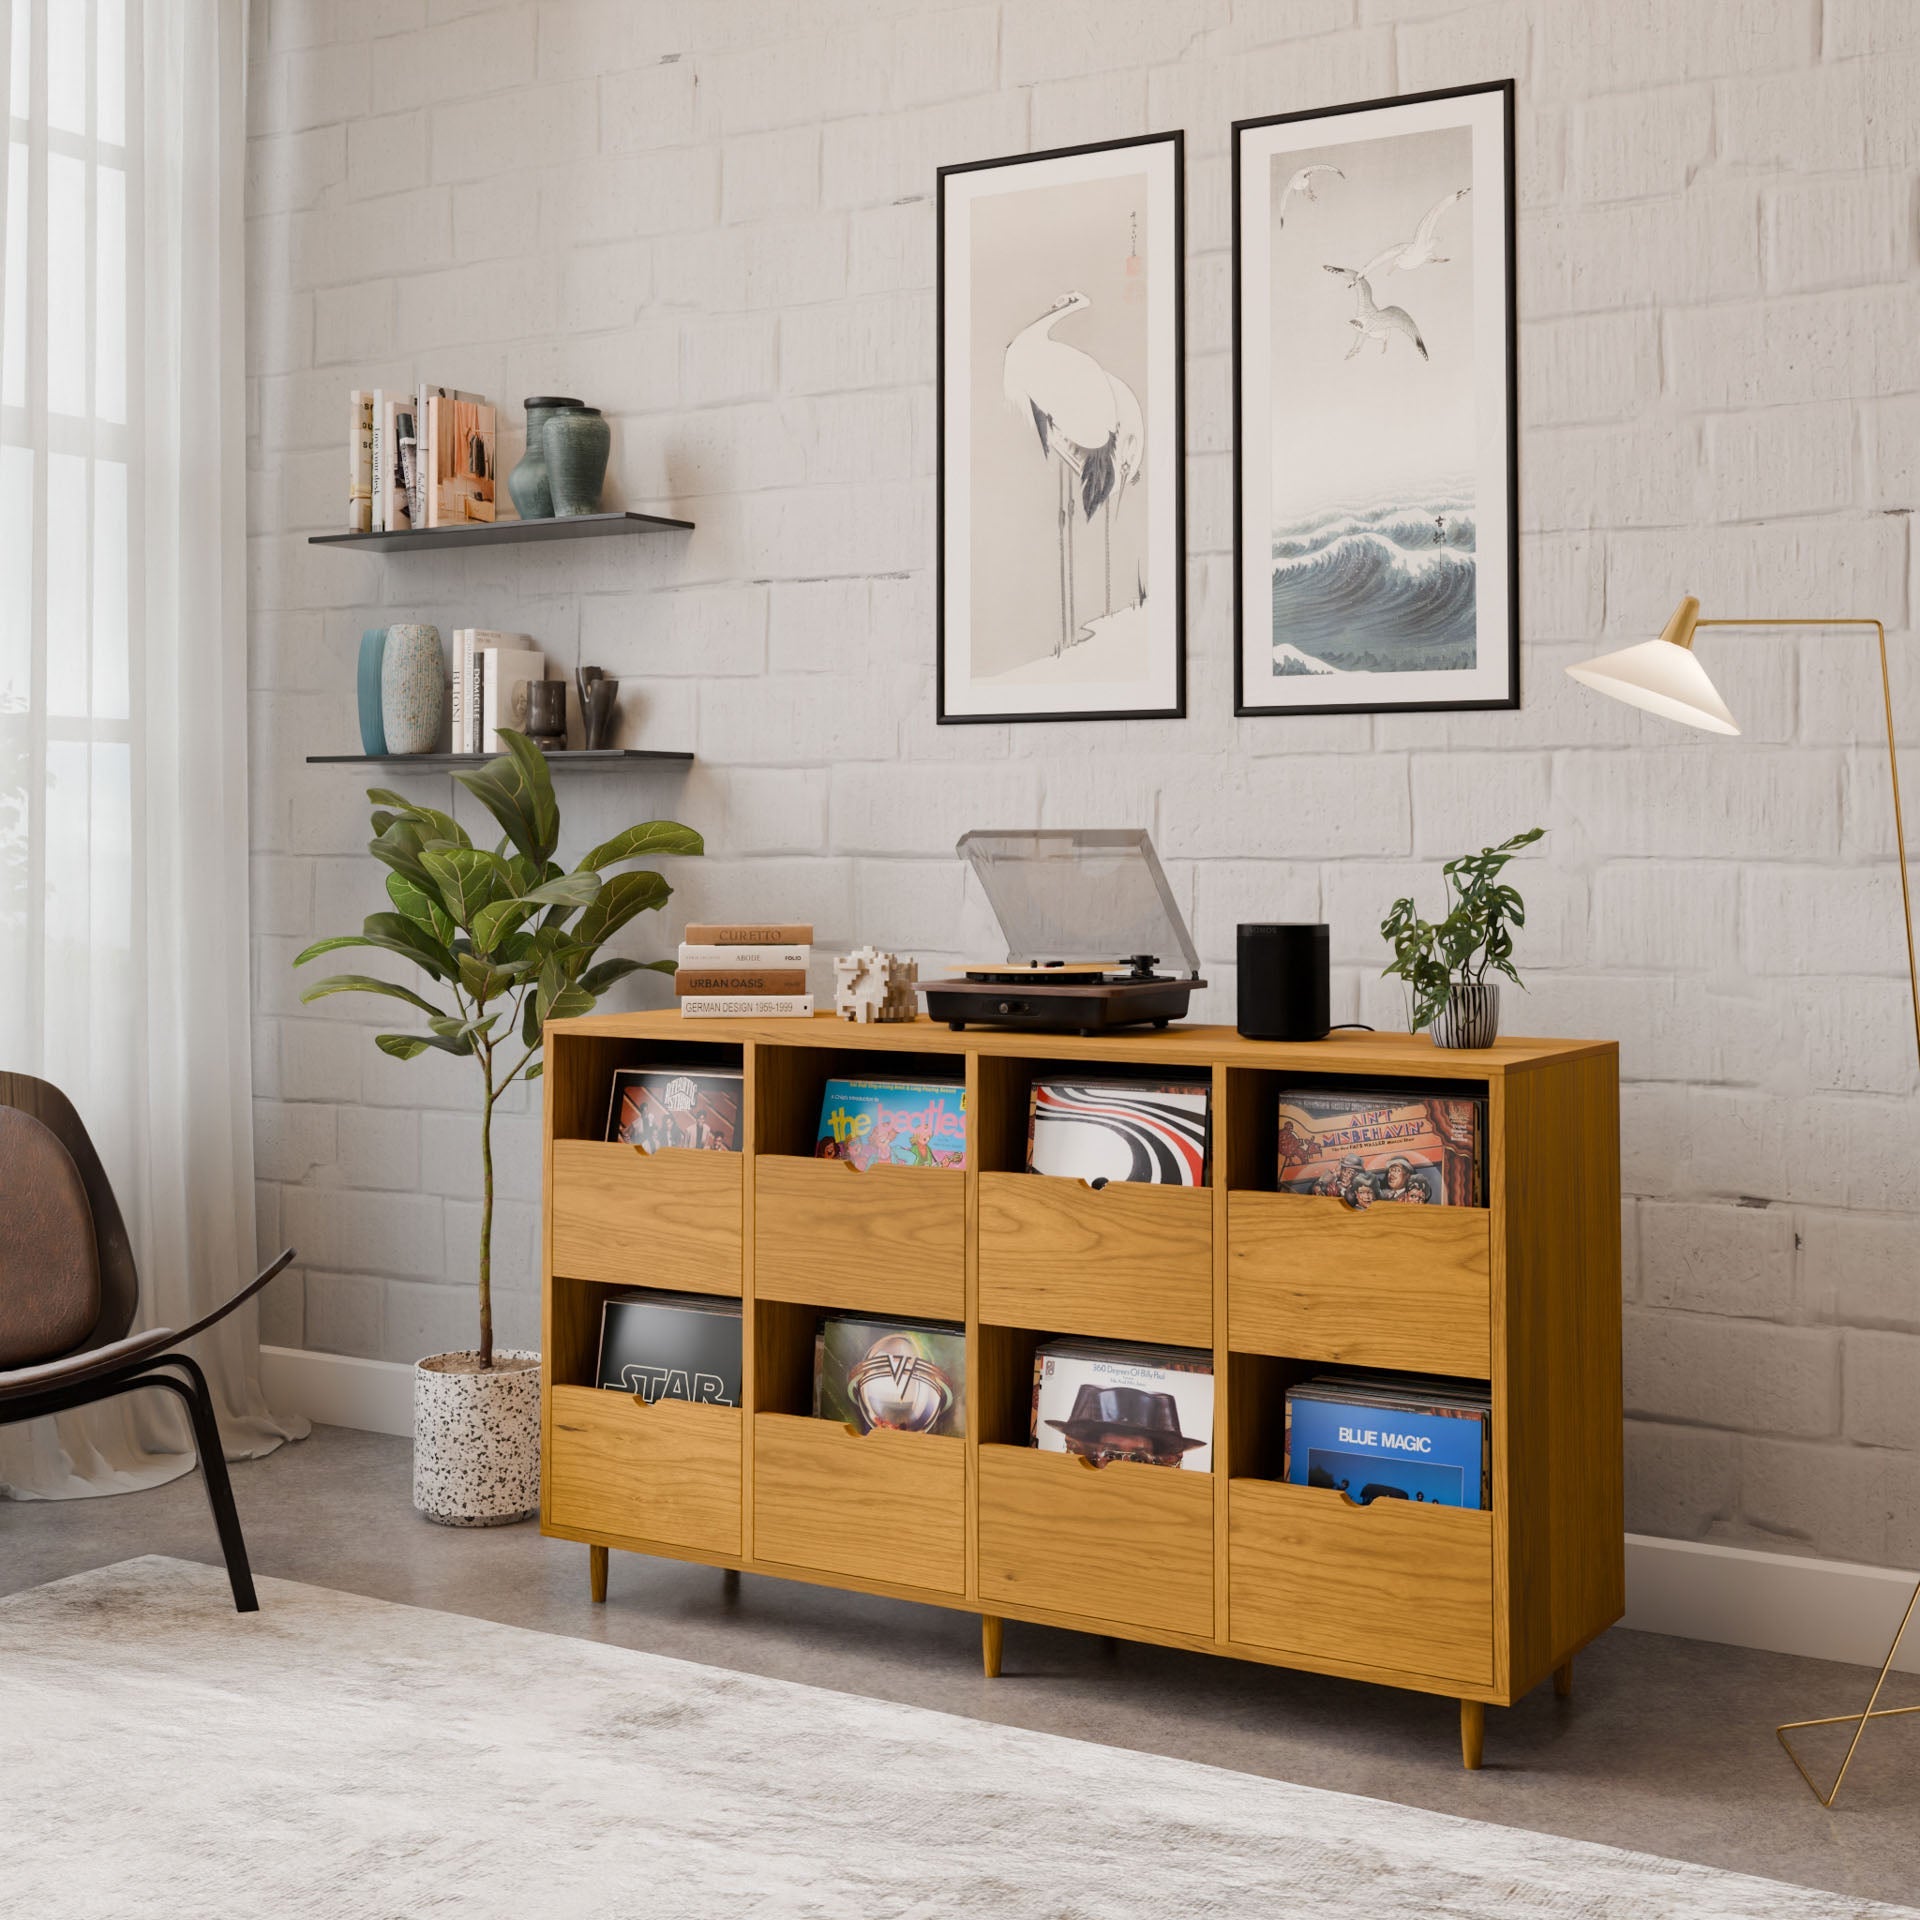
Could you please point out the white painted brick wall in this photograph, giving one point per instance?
(717, 221)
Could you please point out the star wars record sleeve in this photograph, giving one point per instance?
(1101, 1130)
(671, 1346)
(1368, 1146)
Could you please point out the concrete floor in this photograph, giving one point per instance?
(1666, 1746)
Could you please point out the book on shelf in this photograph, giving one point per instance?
(359, 461)
(1373, 1145)
(1097, 1130)
(459, 466)
(391, 495)
(504, 671)
(755, 980)
(747, 1006)
(782, 954)
(671, 1346)
(901, 1123)
(377, 521)
(910, 1375)
(749, 933)
(1110, 1401)
(1391, 1436)
(655, 1107)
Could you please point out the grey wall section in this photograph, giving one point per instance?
(717, 222)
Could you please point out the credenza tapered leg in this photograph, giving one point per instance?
(1563, 1678)
(992, 1631)
(730, 1583)
(597, 1573)
(1473, 1733)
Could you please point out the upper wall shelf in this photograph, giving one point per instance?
(586, 759)
(502, 533)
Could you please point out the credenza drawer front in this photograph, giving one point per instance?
(882, 1506)
(668, 1472)
(1128, 1544)
(882, 1240)
(1393, 1584)
(1125, 1261)
(1384, 1286)
(667, 1219)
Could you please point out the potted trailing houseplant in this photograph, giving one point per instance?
(1445, 963)
(510, 940)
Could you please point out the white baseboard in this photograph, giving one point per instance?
(1780, 1602)
(338, 1390)
(1739, 1596)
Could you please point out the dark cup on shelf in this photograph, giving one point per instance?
(599, 698)
(547, 714)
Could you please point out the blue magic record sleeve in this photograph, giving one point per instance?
(1370, 1452)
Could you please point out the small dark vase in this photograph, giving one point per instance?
(547, 714)
(577, 442)
(599, 701)
(527, 483)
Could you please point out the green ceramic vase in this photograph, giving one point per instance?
(577, 444)
(527, 483)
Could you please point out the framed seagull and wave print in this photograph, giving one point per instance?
(1061, 590)
(1375, 439)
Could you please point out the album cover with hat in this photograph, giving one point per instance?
(906, 1374)
(1109, 1402)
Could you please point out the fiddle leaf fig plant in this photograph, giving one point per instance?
(1433, 957)
(494, 930)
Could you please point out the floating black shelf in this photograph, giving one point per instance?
(502, 533)
(588, 759)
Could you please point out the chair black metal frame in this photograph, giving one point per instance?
(107, 1362)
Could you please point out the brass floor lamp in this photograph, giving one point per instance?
(1663, 677)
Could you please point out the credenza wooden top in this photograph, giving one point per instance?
(1409, 1055)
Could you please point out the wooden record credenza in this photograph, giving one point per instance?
(1523, 1294)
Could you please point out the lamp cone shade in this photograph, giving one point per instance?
(1662, 676)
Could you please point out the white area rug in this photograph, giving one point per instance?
(332, 1756)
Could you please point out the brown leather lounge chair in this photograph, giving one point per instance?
(68, 1290)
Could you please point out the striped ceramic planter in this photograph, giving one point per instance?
(1471, 1017)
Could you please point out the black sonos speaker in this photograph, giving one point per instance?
(1283, 982)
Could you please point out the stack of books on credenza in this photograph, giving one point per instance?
(756, 971)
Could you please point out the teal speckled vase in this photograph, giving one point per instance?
(413, 689)
(577, 442)
(527, 483)
(373, 728)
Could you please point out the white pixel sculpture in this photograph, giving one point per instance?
(869, 985)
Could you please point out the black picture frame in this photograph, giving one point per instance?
(1510, 312)
(1175, 142)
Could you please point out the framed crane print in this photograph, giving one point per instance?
(1061, 492)
(1376, 550)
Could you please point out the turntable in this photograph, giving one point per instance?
(1072, 891)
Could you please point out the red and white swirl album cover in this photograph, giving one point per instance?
(1101, 1130)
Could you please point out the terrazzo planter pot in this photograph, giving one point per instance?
(577, 442)
(1471, 1018)
(476, 1439)
(373, 730)
(413, 689)
(527, 483)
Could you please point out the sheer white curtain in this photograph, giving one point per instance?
(123, 725)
